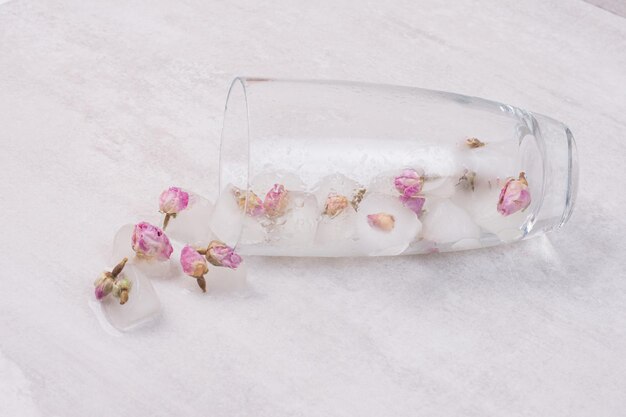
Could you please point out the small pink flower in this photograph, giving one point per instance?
(220, 254)
(514, 196)
(409, 183)
(335, 204)
(254, 207)
(151, 242)
(415, 204)
(173, 200)
(276, 200)
(104, 285)
(192, 262)
(382, 221)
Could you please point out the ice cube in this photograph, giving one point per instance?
(376, 241)
(192, 225)
(299, 223)
(337, 184)
(336, 229)
(227, 218)
(492, 161)
(142, 306)
(441, 187)
(264, 181)
(253, 231)
(444, 222)
(482, 204)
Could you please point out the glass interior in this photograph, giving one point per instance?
(326, 168)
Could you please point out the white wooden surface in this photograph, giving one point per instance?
(103, 104)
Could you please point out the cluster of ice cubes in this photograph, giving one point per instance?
(460, 212)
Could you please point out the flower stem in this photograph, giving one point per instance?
(118, 268)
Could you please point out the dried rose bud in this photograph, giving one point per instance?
(220, 254)
(514, 196)
(194, 265)
(150, 242)
(335, 204)
(121, 289)
(104, 285)
(409, 183)
(382, 221)
(357, 198)
(414, 204)
(467, 180)
(276, 200)
(173, 200)
(474, 143)
(254, 206)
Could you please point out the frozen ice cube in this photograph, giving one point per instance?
(264, 181)
(337, 184)
(253, 231)
(227, 218)
(444, 222)
(299, 223)
(336, 229)
(375, 241)
(482, 204)
(142, 306)
(384, 183)
(192, 225)
(492, 161)
(441, 187)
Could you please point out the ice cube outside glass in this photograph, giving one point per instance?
(305, 134)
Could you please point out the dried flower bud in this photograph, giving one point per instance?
(194, 265)
(276, 201)
(151, 242)
(514, 196)
(409, 183)
(121, 289)
(381, 221)
(414, 204)
(104, 285)
(254, 206)
(467, 180)
(474, 143)
(335, 204)
(173, 200)
(220, 254)
(357, 198)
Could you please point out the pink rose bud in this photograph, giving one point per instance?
(151, 242)
(335, 204)
(192, 262)
(415, 204)
(104, 285)
(514, 196)
(409, 183)
(381, 221)
(276, 200)
(254, 205)
(173, 200)
(220, 254)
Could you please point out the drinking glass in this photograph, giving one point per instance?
(333, 168)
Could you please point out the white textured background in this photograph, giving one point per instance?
(103, 104)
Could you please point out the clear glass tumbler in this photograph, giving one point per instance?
(328, 168)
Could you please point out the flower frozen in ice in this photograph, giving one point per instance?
(220, 254)
(335, 204)
(276, 200)
(121, 290)
(409, 183)
(107, 283)
(150, 242)
(514, 196)
(415, 204)
(474, 143)
(173, 200)
(250, 201)
(194, 265)
(382, 221)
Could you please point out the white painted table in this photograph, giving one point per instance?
(103, 104)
